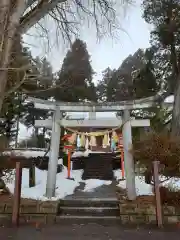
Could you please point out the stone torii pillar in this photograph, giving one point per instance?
(54, 153)
(128, 158)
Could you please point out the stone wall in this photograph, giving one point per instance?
(140, 213)
(30, 212)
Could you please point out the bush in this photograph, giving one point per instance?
(158, 147)
(170, 196)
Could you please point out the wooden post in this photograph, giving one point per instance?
(32, 176)
(17, 194)
(157, 194)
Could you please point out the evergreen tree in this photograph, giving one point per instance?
(12, 107)
(75, 77)
(38, 87)
(34, 81)
(135, 78)
(164, 16)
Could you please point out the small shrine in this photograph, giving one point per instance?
(101, 157)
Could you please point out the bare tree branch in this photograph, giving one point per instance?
(37, 13)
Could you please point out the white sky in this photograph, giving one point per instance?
(108, 52)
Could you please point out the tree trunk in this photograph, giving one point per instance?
(10, 14)
(175, 127)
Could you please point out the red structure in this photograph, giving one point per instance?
(69, 148)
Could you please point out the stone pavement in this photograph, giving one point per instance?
(87, 232)
(104, 191)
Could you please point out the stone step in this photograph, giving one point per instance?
(81, 202)
(103, 220)
(89, 211)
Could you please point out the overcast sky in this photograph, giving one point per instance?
(108, 52)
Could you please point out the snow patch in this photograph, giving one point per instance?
(64, 186)
(169, 99)
(24, 132)
(143, 188)
(92, 184)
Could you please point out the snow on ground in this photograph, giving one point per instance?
(24, 132)
(64, 186)
(91, 184)
(169, 99)
(141, 187)
(173, 183)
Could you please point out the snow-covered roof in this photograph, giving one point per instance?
(28, 153)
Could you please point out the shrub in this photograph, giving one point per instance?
(170, 196)
(159, 147)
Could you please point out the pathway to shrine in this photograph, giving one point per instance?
(107, 192)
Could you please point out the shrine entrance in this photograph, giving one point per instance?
(125, 122)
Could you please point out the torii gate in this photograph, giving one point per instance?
(57, 121)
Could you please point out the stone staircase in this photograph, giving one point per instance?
(78, 211)
(98, 166)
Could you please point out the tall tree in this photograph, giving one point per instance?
(17, 76)
(103, 90)
(38, 87)
(164, 16)
(76, 75)
(135, 78)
